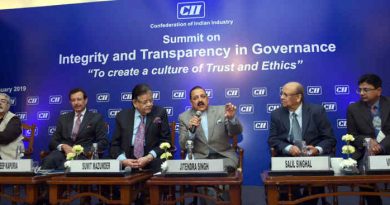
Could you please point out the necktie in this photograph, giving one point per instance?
(139, 139)
(296, 132)
(76, 127)
(376, 120)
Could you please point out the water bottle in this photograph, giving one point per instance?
(95, 153)
(367, 153)
(19, 152)
(189, 147)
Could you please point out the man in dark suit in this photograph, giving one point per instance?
(370, 118)
(80, 127)
(316, 129)
(139, 131)
(297, 121)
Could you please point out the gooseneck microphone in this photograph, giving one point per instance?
(193, 128)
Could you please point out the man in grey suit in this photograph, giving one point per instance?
(370, 118)
(211, 130)
(80, 127)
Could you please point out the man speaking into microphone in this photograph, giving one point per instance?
(210, 128)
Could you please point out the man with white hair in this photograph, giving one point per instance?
(10, 130)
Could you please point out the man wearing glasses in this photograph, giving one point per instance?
(298, 128)
(10, 130)
(370, 118)
(139, 131)
(297, 121)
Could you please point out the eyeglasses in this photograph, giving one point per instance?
(364, 90)
(144, 102)
(4, 101)
(283, 94)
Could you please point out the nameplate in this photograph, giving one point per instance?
(319, 163)
(380, 162)
(101, 165)
(195, 166)
(20, 165)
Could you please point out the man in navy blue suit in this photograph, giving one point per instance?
(297, 121)
(155, 129)
(80, 127)
(316, 129)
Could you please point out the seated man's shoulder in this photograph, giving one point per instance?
(386, 99)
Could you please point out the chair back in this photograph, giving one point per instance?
(239, 151)
(172, 126)
(28, 150)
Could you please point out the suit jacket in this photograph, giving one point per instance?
(92, 129)
(219, 132)
(157, 130)
(316, 128)
(359, 124)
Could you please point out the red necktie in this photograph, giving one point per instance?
(139, 139)
(76, 127)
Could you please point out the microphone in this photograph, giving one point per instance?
(193, 128)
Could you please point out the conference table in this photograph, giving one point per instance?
(22, 188)
(273, 186)
(163, 190)
(108, 189)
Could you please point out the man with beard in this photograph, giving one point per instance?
(210, 128)
(80, 127)
(10, 130)
(139, 131)
(370, 118)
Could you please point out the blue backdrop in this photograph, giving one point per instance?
(240, 51)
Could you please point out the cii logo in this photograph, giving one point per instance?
(330, 106)
(260, 125)
(259, 92)
(112, 112)
(103, 97)
(43, 115)
(341, 123)
(191, 10)
(209, 92)
(341, 89)
(12, 101)
(28, 133)
(177, 127)
(32, 100)
(156, 95)
(51, 130)
(126, 96)
(63, 112)
(272, 107)
(188, 108)
(247, 109)
(178, 94)
(232, 92)
(22, 115)
(55, 99)
(169, 111)
(314, 90)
